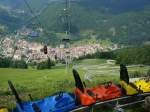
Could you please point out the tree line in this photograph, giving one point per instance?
(100, 55)
(130, 55)
(10, 63)
(134, 55)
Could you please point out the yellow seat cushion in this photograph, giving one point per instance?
(143, 85)
(3, 110)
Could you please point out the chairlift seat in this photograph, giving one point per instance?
(66, 40)
(99, 93)
(3, 110)
(49, 104)
(143, 85)
(132, 88)
(62, 102)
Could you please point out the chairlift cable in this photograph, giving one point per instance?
(32, 12)
(39, 13)
(35, 16)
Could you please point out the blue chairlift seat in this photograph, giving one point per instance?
(49, 104)
(60, 102)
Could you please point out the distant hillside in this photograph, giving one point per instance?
(10, 19)
(11, 3)
(116, 6)
(129, 27)
(122, 21)
(20, 4)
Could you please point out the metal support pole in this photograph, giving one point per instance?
(67, 66)
(68, 60)
(91, 109)
(66, 41)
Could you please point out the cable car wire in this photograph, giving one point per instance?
(36, 16)
(32, 12)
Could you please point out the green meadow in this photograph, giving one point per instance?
(42, 83)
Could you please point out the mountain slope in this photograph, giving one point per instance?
(123, 21)
(128, 27)
(116, 6)
(11, 19)
(20, 4)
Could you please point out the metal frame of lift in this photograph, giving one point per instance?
(141, 96)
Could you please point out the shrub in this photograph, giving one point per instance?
(134, 55)
(5, 62)
(45, 64)
(19, 64)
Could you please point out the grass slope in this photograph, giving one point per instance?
(38, 83)
(42, 83)
(91, 61)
